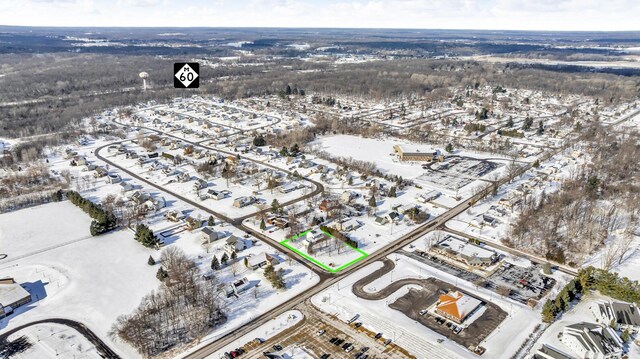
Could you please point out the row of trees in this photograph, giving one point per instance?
(552, 308)
(590, 278)
(340, 236)
(103, 221)
(183, 309)
(145, 236)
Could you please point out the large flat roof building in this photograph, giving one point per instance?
(463, 251)
(12, 296)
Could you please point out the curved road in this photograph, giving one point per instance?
(101, 347)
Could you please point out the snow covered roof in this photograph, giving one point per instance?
(464, 248)
(457, 304)
(11, 293)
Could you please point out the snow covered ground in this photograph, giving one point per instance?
(54, 341)
(92, 281)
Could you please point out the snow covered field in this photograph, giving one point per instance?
(92, 281)
(55, 341)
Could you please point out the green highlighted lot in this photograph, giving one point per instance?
(359, 254)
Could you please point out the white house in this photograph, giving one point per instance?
(208, 235)
(126, 187)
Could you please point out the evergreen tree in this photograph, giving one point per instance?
(548, 311)
(392, 191)
(151, 261)
(215, 264)
(295, 149)
(288, 90)
(234, 256)
(246, 262)
(449, 147)
(275, 205)
(263, 225)
(372, 202)
(211, 221)
(224, 259)
(161, 274)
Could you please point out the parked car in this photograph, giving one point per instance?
(378, 336)
(345, 346)
(277, 347)
(358, 324)
(364, 350)
(333, 340)
(423, 312)
(325, 356)
(349, 348)
(387, 342)
(457, 330)
(322, 331)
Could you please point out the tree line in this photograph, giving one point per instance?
(103, 221)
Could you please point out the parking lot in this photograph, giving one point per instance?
(523, 283)
(305, 336)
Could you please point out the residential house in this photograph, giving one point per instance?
(348, 196)
(113, 178)
(261, 260)
(236, 288)
(243, 201)
(381, 221)
(394, 216)
(125, 187)
(174, 216)
(100, 172)
(208, 235)
(428, 197)
(193, 223)
(289, 187)
(235, 244)
(88, 167)
(200, 184)
(217, 195)
(348, 224)
(314, 236)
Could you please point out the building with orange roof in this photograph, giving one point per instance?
(456, 306)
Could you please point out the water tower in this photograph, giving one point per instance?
(143, 75)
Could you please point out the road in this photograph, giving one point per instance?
(326, 279)
(533, 258)
(101, 347)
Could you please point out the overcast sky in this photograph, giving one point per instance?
(423, 14)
